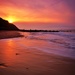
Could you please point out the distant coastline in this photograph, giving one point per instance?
(6, 26)
(32, 30)
(47, 30)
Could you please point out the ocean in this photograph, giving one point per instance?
(45, 26)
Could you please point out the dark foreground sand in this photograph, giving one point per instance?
(9, 34)
(32, 62)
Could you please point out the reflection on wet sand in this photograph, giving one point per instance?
(7, 55)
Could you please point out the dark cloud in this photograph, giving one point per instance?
(70, 4)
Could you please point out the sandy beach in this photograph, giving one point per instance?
(30, 62)
(16, 59)
(9, 34)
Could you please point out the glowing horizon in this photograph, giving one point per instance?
(48, 11)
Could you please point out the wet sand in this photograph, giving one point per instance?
(34, 62)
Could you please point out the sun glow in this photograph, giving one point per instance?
(10, 21)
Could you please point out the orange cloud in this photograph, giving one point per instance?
(36, 11)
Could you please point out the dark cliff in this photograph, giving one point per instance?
(5, 25)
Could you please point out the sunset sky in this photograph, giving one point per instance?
(44, 11)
